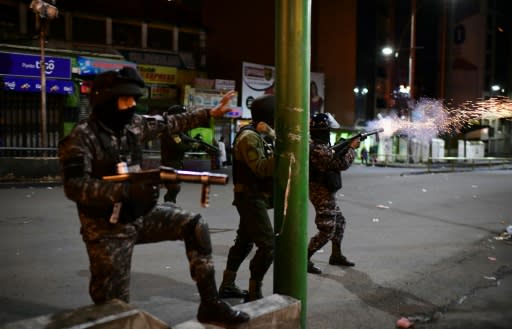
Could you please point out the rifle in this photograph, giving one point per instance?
(208, 147)
(168, 174)
(342, 147)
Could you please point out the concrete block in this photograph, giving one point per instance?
(271, 312)
(112, 315)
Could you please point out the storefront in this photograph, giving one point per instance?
(20, 101)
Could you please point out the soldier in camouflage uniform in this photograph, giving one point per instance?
(324, 180)
(173, 148)
(112, 134)
(253, 166)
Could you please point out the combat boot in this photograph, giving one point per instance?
(313, 269)
(254, 291)
(228, 288)
(212, 309)
(337, 257)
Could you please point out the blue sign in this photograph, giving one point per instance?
(63, 87)
(27, 65)
(93, 66)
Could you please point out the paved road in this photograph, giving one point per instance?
(425, 247)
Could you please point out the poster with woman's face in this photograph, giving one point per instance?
(258, 80)
(316, 93)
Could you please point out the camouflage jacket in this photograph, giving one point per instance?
(322, 160)
(92, 151)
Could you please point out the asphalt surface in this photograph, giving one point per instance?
(428, 247)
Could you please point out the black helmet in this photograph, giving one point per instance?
(323, 121)
(320, 126)
(112, 84)
(263, 108)
(177, 109)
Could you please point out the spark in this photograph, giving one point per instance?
(431, 117)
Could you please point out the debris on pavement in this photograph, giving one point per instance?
(404, 323)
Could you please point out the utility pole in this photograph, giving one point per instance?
(44, 13)
(42, 64)
(293, 55)
(412, 51)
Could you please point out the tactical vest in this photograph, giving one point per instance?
(127, 150)
(242, 174)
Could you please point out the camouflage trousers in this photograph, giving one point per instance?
(329, 219)
(110, 254)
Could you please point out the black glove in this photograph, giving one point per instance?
(139, 199)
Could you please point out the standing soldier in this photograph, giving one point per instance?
(111, 135)
(172, 151)
(253, 166)
(324, 181)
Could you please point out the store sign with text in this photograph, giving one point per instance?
(23, 84)
(29, 65)
(93, 65)
(158, 74)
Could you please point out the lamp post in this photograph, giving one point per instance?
(44, 13)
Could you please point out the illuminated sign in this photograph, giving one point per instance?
(28, 65)
(64, 87)
(157, 74)
(93, 66)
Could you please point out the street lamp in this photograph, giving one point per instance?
(45, 12)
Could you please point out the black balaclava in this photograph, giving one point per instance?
(108, 87)
(263, 108)
(109, 114)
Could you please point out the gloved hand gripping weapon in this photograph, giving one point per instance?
(168, 174)
(342, 147)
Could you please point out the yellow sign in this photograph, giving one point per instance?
(157, 74)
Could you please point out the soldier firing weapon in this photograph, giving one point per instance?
(342, 147)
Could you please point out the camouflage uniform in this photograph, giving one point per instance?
(328, 219)
(173, 149)
(91, 151)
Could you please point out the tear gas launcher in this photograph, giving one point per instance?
(168, 174)
(342, 147)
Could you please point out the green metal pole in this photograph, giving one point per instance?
(293, 36)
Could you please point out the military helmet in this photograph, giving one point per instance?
(320, 126)
(263, 108)
(112, 84)
(324, 121)
(177, 109)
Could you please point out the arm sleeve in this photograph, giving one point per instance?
(149, 127)
(252, 152)
(323, 158)
(75, 158)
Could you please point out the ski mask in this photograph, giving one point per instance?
(107, 88)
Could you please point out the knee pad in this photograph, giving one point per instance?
(198, 236)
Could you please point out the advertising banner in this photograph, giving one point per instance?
(64, 87)
(29, 65)
(258, 80)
